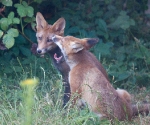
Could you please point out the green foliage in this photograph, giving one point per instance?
(7, 2)
(15, 32)
(14, 22)
(123, 21)
(47, 99)
(8, 39)
(116, 24)
(24, 10)
(120, 25)
(1, 33)
(6, 22)
(123, 49)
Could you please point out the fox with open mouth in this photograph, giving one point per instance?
(44, 35)
(90, 84)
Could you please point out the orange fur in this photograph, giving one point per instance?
(44, 36)
(89, 82)
(45, 32)
(124, 94)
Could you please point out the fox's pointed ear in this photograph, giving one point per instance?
(90, 42)
(76, 47)
(40, 21)
(59, 26)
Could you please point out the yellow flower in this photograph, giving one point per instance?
(29, 82)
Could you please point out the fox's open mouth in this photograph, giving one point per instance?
(57, 58)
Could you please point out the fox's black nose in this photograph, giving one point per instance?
(39, 51)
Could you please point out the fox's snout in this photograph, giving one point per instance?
(39, 51)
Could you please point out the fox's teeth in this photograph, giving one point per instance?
(57, 58)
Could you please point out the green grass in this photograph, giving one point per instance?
(47, 108)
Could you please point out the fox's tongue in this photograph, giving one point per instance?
(57, 58)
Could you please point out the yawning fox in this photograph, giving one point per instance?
(89, 82)
(44, 35)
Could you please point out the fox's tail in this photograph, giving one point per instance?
(143, 109)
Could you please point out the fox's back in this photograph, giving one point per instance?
(96, 89)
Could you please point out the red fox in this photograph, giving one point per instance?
(90, 83)
(44, 35)
(45, 45)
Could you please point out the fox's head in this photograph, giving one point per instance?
(70, 44)
(45, 32)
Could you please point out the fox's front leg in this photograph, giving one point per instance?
(67, 93)
(75, 95)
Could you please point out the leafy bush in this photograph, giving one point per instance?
(123, 46)
(121, 26)
(16, 31)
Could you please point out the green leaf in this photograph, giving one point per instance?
(1, 33)
(24, 10)
(13, 32)
(123, 76)
(21, 10)
(30, 11)
(28, 19)
(8, 40)
(25, 51)
(24, 3)
(145, 50)
(102, 28)
(102, 25)
(11, 15)
(123, 21)
(4, 23)
(17, 5)
(9, 21)
(16, 21)
(103, 48)
(7, 2)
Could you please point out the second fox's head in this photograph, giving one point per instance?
(45, 32)
(70, 44)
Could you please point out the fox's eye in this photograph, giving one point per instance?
(40, 38)
(49, 40)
